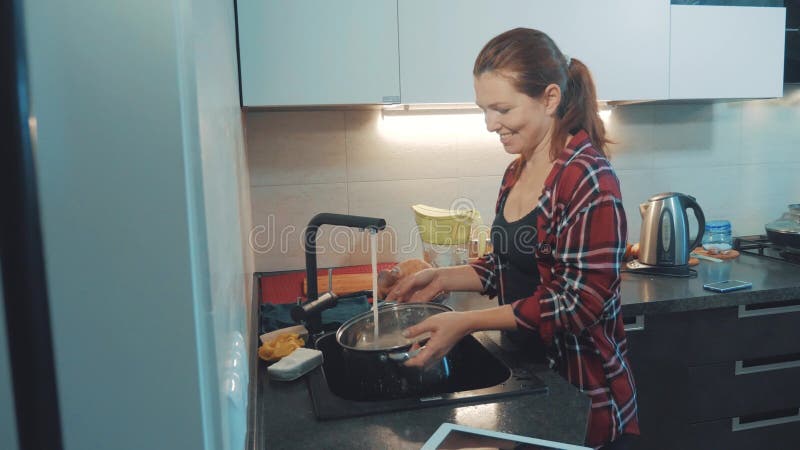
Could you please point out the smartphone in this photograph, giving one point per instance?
(728, 285)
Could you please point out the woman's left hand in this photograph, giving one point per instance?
(446, 330)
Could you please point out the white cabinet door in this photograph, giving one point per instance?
(625, 43)
(726, 52)
(309, 52)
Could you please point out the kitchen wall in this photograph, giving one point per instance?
(226, 208)
(142, 179)
(740, 159)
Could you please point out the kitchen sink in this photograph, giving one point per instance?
(480, 371)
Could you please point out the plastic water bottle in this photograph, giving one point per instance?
(717, 237)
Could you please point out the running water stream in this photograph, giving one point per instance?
(374, 253)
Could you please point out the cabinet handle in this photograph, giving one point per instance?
(741, 370)
(737, 425)
(637, 325)
(789, 307)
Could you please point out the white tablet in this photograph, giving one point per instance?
(451, 436)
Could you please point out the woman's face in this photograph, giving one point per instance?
(522, 122)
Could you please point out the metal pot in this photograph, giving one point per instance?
(785, 231)
(375, 367)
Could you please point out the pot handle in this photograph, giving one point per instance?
(689, 202)
(401, 357)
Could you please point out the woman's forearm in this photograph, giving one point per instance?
(459, 278)
(499, 318)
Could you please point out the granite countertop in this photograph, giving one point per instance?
(285, 417)
(772, 281)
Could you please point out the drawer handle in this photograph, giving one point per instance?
(764, 367)
(742, 423)
(760, 310)
(636, 325)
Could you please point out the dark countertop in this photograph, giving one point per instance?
(772, 281)
(285, 418)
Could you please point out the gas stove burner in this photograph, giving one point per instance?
(761, 246)
(791, 255)
(792, 250)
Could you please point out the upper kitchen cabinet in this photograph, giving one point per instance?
(307, 52)
(726, 52)
(625, 43)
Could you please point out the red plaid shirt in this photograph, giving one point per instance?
(581, 234)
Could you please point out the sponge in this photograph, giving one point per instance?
(295, 365)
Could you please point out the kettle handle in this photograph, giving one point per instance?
(689, 202)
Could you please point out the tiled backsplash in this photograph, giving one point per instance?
(740, 159)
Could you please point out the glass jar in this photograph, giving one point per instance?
(441, 255)
(717, 237)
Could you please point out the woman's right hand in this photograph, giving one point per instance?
(422, 286)
(446, 330)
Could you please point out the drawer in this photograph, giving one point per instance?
(743, 387)
(744, 332)
(778, 430)
(656, 355)
(657, 337)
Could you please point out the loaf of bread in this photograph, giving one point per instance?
(388, 278)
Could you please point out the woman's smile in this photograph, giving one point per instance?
(505, 138)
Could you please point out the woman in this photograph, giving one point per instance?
(559, 233)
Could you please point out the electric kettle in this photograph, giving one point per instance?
(664, 242)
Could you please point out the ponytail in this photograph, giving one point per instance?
(578, 110)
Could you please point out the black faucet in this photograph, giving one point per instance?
(310, 310)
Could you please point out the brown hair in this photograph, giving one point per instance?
(534, 62)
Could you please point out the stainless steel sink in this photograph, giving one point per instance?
(480, 372)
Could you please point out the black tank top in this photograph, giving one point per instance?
(514, 244)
